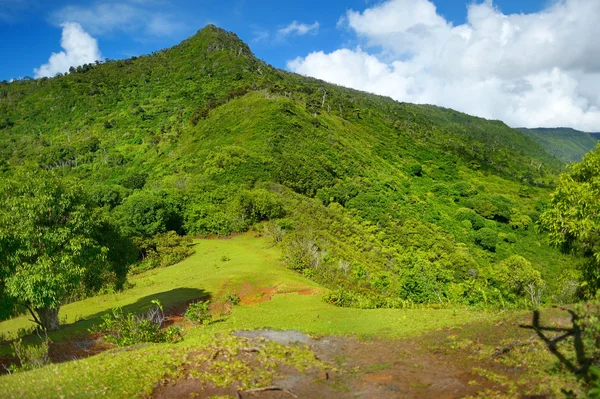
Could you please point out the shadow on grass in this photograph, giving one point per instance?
(171, 299)
(552, 336)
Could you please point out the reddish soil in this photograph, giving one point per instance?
(428, 366)
(86, 345)
(386, 369)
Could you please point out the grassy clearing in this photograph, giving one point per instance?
(242, 264)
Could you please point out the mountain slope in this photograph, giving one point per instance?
(566, 144)
(389, 203)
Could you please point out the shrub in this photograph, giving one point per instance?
(258, 205)
(519, 221)
(136, 181)
(477, 222)
(128, 329)
(199, 312)
(414, 169)
(588, 320)
(463, 189)
(31, 356)
(519, 278)
(467, 224)
(163, 250)
(511, 238)
(207, 218)
(493, 207)
(147, 213)
(486, 238)
(300, 251)
(233, 298)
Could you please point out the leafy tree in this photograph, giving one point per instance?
(487, 238)
(573, 217)
(477, 222)
(147, 213)
(519, 276)
(50, 240)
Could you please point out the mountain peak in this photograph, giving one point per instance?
(212, 38)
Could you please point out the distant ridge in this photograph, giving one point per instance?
(568, 145)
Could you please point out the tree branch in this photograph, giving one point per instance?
(35, 319)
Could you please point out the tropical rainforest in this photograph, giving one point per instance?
(108, 171)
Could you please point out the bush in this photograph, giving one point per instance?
(108, 195)
(510, 238)
(463, 189)
(199, 312)
(486, 238)
(258, 205)
(414, 169)
(588, 320)
(147, 213)
(128, 329)
(163, 250)
(136, 181)
(300, 251)
(233, 298)
(519, 278)
(494, 207)
(31, 356)
(477, 222)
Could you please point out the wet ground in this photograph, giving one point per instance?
(360, 369)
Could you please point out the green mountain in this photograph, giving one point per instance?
(568, 145)
(387, 203)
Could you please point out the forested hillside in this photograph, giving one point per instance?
(566, 144)
(389, 204)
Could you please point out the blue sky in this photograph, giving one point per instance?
(30, 31)
(526, 62)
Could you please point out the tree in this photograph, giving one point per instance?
(573, 216)
(50, 241)
(519, 276)
(486, 238)
(147, 213)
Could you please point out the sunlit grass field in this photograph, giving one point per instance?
(272, 296)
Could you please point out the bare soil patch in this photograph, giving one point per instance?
(498, 359)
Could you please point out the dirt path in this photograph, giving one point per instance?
(372, 369)
(487, 360)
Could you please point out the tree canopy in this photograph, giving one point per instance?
(55, 244)
(573, 218)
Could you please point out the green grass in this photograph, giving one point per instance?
(253, 264)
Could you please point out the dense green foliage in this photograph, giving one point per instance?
(573, 217)
(55, 245)
(389, 203)
(566, 144)
(125, 329)
(199, 312)
(30, 356)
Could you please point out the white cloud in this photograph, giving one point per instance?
(133, 16)
(539, 69)
(79, 48)
(259, 34)
(299, 29)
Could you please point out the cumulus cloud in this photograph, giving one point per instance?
(299, 29)
(129, 16)
(538, 69)
(79, 48)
